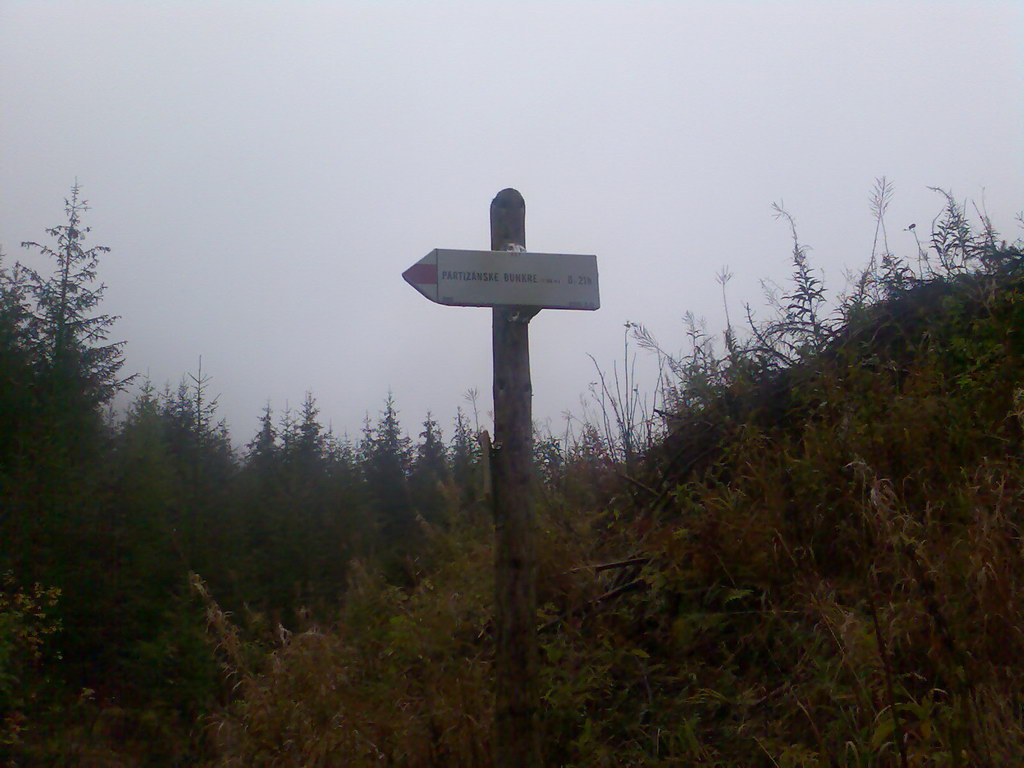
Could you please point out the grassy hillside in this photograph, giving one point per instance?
(820, 564)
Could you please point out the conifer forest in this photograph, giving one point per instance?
(802, 548)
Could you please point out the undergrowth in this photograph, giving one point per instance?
(819, 563)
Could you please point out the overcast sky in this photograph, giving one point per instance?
(264, 172)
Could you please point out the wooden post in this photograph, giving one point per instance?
(516, 734)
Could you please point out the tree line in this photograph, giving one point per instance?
(144, 560)
(103, 517)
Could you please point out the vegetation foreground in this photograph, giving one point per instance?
(814, 558)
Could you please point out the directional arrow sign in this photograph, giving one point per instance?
(506, 279)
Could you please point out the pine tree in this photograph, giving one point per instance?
(69, 333)
(430, 472)
(387, 461)
(262, 450)
(56, 524)
(203, 461)
(311, 443)
(464, 452)
(16, 382)
(431, 456)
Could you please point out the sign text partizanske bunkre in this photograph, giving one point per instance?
(507, 279)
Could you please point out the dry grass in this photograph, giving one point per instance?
(837, 579)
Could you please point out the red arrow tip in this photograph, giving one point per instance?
(421, 274)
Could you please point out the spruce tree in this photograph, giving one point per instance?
(262, 450)
(311, 442)
(16, 382)
(77, 365)
(430, 474)
(65, 526)
(464, 452)
(387, 461)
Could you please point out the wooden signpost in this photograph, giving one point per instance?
(517, 284)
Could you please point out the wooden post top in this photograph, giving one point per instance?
(508, 220)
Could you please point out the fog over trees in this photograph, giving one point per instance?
(294, 596)
(247, 473)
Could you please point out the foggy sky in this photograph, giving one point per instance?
(264, 172)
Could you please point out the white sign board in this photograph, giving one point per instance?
(507, 279)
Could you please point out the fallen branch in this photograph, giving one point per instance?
(610, 566)
(591, 605)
